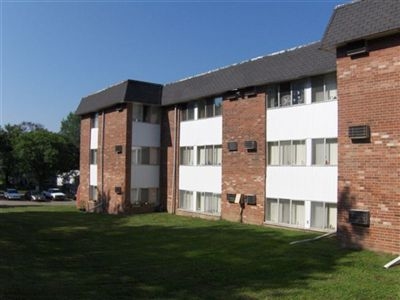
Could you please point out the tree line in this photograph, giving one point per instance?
(31, 155)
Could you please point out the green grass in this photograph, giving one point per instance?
(59, 253)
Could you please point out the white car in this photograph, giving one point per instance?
(12, 194)
(54, 194)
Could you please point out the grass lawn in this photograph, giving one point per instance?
(59, 253)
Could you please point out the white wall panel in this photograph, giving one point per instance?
(201, 132)
(302, 183)
(302, 121)
(94, 138)
(145, 176)
(93, 175)
(202, 179)
(145, 134)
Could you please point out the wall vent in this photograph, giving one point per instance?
(231, 198)
(359, 217)
(232, 146)
(356, 48)
(118, 190)
(250, 199)
(118, 149)
(359, 132)
(250, 145)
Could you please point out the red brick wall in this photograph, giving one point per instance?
(168, 186)
(242, 171)
(113, 167)
(83, 192)
(369, 173)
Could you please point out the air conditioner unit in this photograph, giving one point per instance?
(250, 145)
(232, 146)
(231, 198)
(359, 132)
(118, 149)
(118, 190)
(250, 199)
(359, 217)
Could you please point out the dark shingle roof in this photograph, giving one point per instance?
(126, 91)
(361, 20)
(286, 65)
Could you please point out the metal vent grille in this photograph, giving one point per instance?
(232, 146)
(250, 145)
(359, 132)
(359, 217)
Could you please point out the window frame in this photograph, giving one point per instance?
(286, 89)
(327, 80)
(184, 158)
(291, 145)
(327, 161)
(278, 215)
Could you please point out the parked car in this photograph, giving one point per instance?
(54, 194)
(34, 196)
(12, 194)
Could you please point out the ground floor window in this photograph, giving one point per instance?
(323, 215)
(144, 196)
(285, 211)
(208, 202)
(185, 200)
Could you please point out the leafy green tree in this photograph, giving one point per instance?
(71, 128)
(43, 154)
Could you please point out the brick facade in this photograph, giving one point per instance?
(169, 185)
(369, 172)
(83, 192)
(243, 172)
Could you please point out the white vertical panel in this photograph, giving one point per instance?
(93, 175)
(201, 179)
(201, 132)
(94, 138)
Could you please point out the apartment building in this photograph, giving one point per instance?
(306, 138)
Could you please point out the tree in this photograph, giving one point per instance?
(71, 128)
(43, 154)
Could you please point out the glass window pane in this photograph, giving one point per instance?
(154, 156)
(153, 196)
(209, 155)
(284, 94)
(286, 153)
(298, 92)
(201, 109)
(218, 106)
(93, 157)
(145, 156)
(137, 113)
(297, 213)
(273, 153)
(284, 211)
(93, 192)
(318, 156)
(190, 111)
(272, 96)
(317, 214)
(317, 87)
(299, 153)
(217, 155)
(201, 155)
(272, 210)
(331, 151)
(210, 108)
(331, 89)
(331, 216)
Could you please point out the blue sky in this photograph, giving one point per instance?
(53, 53)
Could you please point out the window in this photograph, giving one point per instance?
(144, 196)
(324, 151)
(187, 112)
(209, 108)
(323, 215)
(285, 211)
(287, 153)
(145, 156)
(185, 200)
(145, 113)
(210, 155)
(208, 202)
(286, 94)
(324, 88)
(93, 192)
(93, 156)
(94, 121)
(187, 156)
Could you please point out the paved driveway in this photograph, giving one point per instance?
(4, 203)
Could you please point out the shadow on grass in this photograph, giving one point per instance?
(63, 254)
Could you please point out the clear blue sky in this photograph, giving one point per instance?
(53, 53)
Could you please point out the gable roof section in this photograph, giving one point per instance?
(126, 91)
(361, 20)
(283, 66)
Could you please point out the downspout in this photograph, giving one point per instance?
(174, 160)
